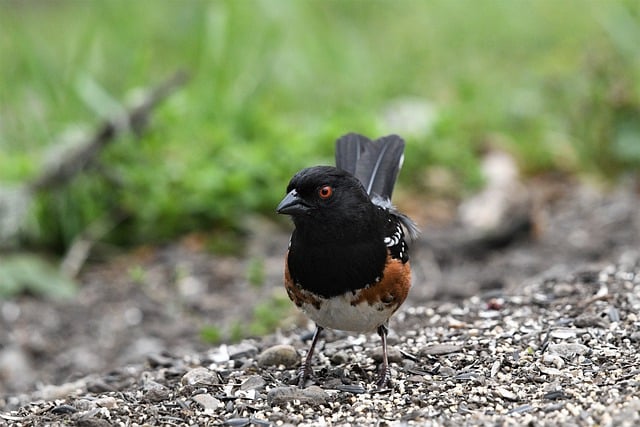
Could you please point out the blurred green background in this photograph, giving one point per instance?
(273, 83)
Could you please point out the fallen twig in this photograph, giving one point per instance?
(65, 168)
(135, 119)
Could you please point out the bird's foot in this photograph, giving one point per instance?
(304, 372)
(384, 378)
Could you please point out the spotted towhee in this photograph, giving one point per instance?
(347, 266)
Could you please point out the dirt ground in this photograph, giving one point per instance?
(155, 301)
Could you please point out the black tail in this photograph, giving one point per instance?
(375, 163)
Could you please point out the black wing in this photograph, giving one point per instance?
(394, 238)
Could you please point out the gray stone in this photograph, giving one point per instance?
(278, 355)
(200, 376)
(155, 395)
(254, 382)
(393, 355)
(312, 395)
(566, 333)
(207, 401)
(438, 349)
(339, 357)
(506, 394)
(568, 349)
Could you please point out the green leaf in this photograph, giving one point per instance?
(626, 145)
(30, 273)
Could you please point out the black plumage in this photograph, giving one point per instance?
(375, 163)
(338, 244)
(347, 264)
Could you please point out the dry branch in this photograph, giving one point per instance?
(135, 119)
(15, 202)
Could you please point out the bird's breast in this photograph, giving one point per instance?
(331, 270)
(359, 310)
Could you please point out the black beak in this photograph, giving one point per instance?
(292, 205)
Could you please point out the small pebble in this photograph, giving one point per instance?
(568, 349)
(242, 422)
(238, 422)
(553, 359)
(393, 355)
(438, 349)
(614, 314)
(495, 368)
(99, 386)
(445, 371)
(339, 357)
(64, 410)
(563, 333)
(92, 422)
(588, 320)
(200, 375)
(219, 355)
(549, 371)
(277, 355)
(107, 402)
(489, 314)
(150, 384)
(521, 409)
(313, 395)
(351, 388)
(254, 382)
(506, 394)
(469, 375)
(156, 359)
(207, 401)
(155, 395)
(555, 395)
(332, 383)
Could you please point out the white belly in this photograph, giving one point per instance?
(338, 313)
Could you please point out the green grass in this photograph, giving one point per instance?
(28, 273)
(275, 82)
(268, 315)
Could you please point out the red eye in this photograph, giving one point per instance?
(325, 192)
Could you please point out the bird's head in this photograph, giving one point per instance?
(324, 195)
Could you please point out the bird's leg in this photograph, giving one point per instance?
(305, 369)
(385, 373)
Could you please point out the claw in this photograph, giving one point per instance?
(384, 378)
(305, 370)
(303, 374)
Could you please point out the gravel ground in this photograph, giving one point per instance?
(560, 351)
(542, 331)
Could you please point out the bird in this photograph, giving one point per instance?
(347, 265)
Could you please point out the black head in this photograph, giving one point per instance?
(324, 196)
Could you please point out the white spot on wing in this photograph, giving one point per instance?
(395, 238)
